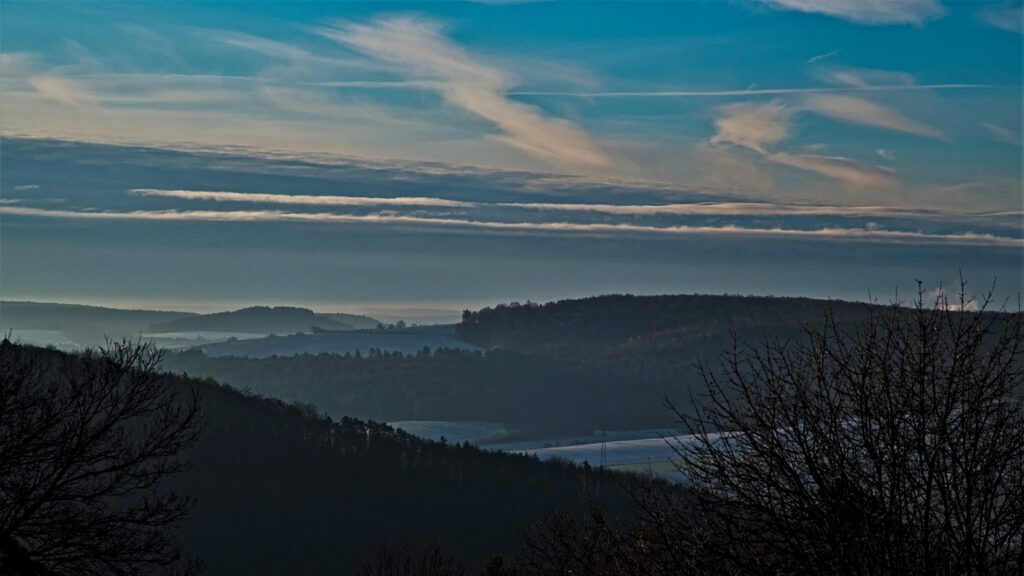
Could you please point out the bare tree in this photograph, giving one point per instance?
(398, 560)
(84, 443)
(563, 545)
(896, 447)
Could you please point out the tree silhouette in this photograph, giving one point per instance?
(894, 448)
(84, 444)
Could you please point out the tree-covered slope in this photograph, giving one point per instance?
(618, 319)
(280, 489)
(564, 368)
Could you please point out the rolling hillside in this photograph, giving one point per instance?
(83, 325)
(566, 368)
(280, 489)
(257, 319)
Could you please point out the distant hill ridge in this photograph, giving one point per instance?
(256, 319)
(616, 319)
(88, 325)
(54, 315)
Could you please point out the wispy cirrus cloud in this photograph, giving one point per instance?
(871, 12)
(757, 127)
(1003, 134)
(842, 78)
(1008, 16)
(292, 98)
(264, 46)
(868, 78)
(66, 91)
(418, 47)
(760, 127)
(852, 173)
(820, 57)
(860, 111)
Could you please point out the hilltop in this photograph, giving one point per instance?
(84, 325)
(257, 319)
(623, 319)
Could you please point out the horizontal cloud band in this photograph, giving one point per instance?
(681, 209)
(754, 91)
(303, 199)
(599, 229)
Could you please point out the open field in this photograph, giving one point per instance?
(634, 451)
(45, 338)
(407, 341)
(623, 452)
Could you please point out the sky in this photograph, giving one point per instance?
(419, 159)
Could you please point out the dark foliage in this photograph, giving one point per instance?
(398, 560)
(625, 319)
(530, 392)
(85, 443)
(279, 489)
(895, 448)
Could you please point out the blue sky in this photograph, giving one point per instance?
(442, 155)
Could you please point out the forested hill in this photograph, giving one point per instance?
(283, 490)
(563, 368)
(357, 321)
(88, 325)
(257, 319)
(607, 320)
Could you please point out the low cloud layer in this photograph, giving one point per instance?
(407, 199)
(687, 209)
(426, 230)
(857, 234)
(302, 199)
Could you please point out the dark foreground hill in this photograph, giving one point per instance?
(257, 319)
(283, 490)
